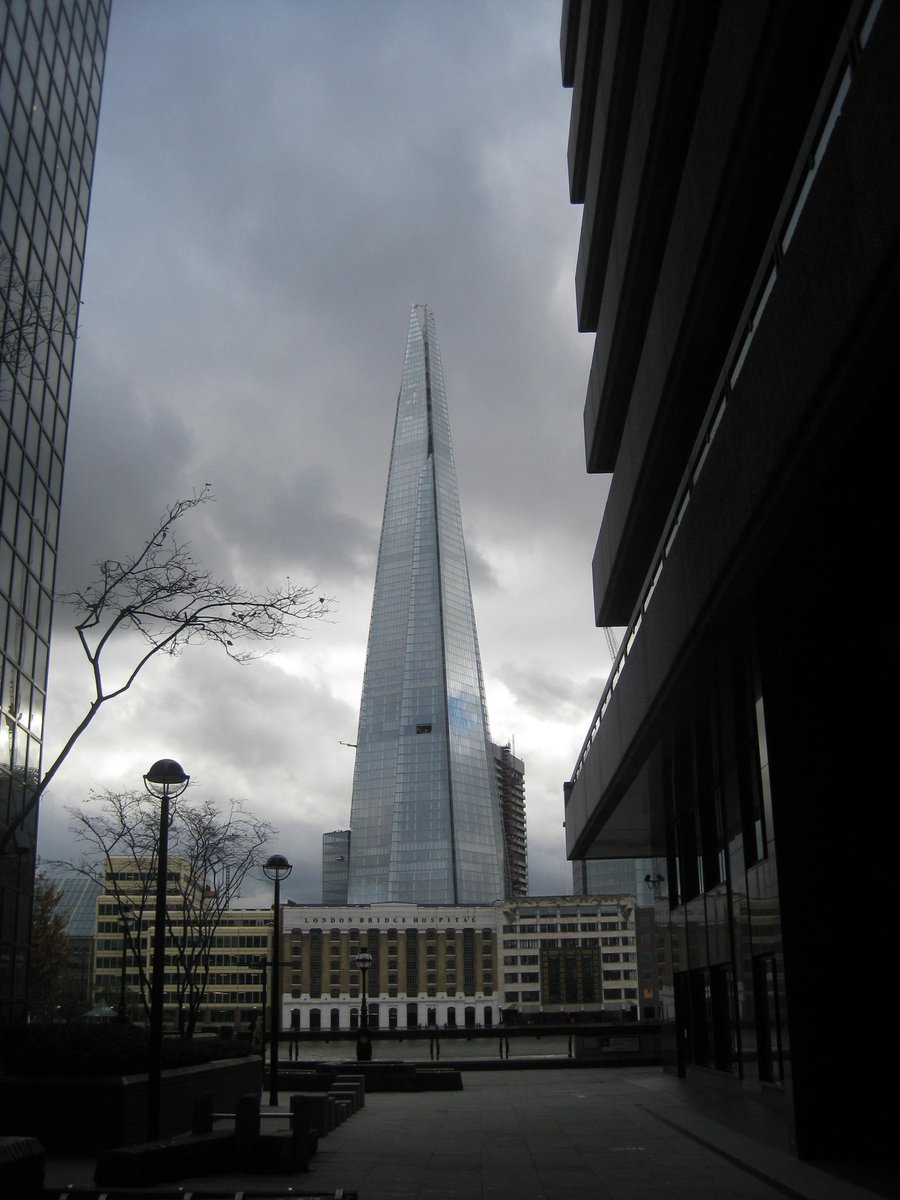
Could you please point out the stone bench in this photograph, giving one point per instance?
(305, 1080)
(346, 1096)
(171, 1158)
(278, 1152)
(354, 1085)
(22, 1161)
(321, 1110)
(438, 1079)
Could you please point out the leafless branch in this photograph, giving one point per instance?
(165, 596)
(210, 855)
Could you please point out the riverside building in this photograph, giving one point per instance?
(529, 959)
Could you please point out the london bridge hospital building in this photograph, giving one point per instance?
(460, 965)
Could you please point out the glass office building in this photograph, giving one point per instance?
(51, 70)
(425, 818)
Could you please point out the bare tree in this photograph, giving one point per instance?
(170, 601)
(210, 855)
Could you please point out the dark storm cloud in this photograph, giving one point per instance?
(293, 526)
(121, 469)
(550, 693)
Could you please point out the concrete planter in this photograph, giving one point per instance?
(65, 1113)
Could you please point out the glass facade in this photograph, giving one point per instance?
(615, 876)
(425, 818)
(335, 866)
(51, 69)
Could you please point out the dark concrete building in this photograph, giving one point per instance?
(51, 71)
(739, 167)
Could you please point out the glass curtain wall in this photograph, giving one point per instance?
(424, 817)
(51, 70)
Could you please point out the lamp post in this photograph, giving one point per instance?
(364, 960)
(165, 781)
(263, 964)
(123, 1002)
(276, 868)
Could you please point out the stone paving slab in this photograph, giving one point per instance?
(537, 1135)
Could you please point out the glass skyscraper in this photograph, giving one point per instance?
(51, 70)
(425, 819)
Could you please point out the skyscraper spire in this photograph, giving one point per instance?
(424, 817)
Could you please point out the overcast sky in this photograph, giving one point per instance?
(276, 183)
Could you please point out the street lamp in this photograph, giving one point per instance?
(262, 965)
(276, 868)
(165, 781)
(126, 918)
(364, 960)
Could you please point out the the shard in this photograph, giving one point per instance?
(425, 819)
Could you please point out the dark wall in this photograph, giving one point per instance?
(828, 643)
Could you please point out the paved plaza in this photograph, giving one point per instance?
(551, 1134)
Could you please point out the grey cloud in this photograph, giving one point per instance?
(275, 184)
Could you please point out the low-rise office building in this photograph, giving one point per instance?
(228, 961)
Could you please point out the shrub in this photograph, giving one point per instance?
(94, 1050)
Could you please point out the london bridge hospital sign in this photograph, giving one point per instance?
(364, 918)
